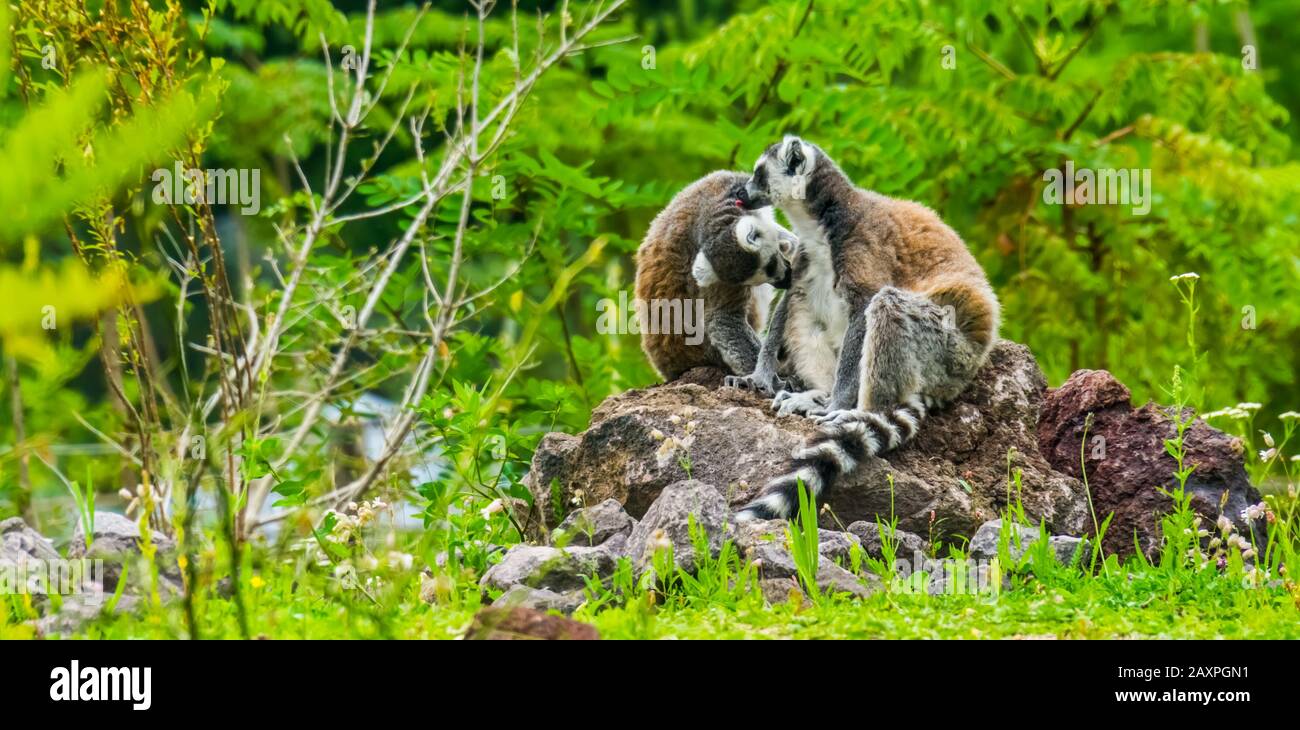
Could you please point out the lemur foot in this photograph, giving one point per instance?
(757, 382)
(838, 417)
(802, 403)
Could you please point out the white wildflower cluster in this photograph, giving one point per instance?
(670, 445)
(1257, 512)
(348, 525)
(1189, 276)
(1229, 539)
(1239, 412)
(347, 529)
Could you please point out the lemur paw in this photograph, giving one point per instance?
(757, 382)
(786, 403)
(838, 417)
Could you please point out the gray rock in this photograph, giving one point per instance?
(671, 513)
(117, 539)
(18, 542)
(984, 546)
(907, 543)
(540, 599)
(777, 590)
(833, 546)
(26, 553)
(80, 609)
(114, 535)
(956, 468)
(617, 545)
(591, 526)
(776, 563)
(554, 569)
(836, 546)
(1065, 548)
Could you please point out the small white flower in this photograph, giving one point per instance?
(1268, 439)
(1191, 275)
(1289, 416)
(1267, 455)
(1254, 512)
(1233, 412)
(667, 449)
(493, 507)
(1250, 406)
(1224, 524)
(399, 560)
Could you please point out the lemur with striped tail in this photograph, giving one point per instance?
(921, 318)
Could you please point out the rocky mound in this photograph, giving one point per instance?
(1127, 464)
(954, 476)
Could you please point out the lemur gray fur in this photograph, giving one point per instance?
(921, 318)
(705, 246)
(804, 333)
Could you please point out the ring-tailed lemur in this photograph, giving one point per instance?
(804, 334)
(704, 247)
(922, 316)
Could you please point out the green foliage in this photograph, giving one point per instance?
(801, 536)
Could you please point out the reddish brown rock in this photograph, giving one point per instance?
(1127, 463)
(956, 469)
(515, 623)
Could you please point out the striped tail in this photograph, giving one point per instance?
(835, 451)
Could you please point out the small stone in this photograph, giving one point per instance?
(540, 599)
(518, 622)
(984, 545)
(907, 544)
(595, 525)
(555, 569)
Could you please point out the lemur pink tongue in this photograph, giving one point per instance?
(740, 203)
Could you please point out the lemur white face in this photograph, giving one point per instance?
(760, 252)
(761, 235)
(781, 174)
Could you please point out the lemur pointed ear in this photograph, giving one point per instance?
(747, 233)
(703, 271)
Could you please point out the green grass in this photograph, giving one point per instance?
(285, 603)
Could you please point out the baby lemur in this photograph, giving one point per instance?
(705, 252)
(896, 307)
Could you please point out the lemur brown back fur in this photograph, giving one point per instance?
(903, 244)
(664, 262)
